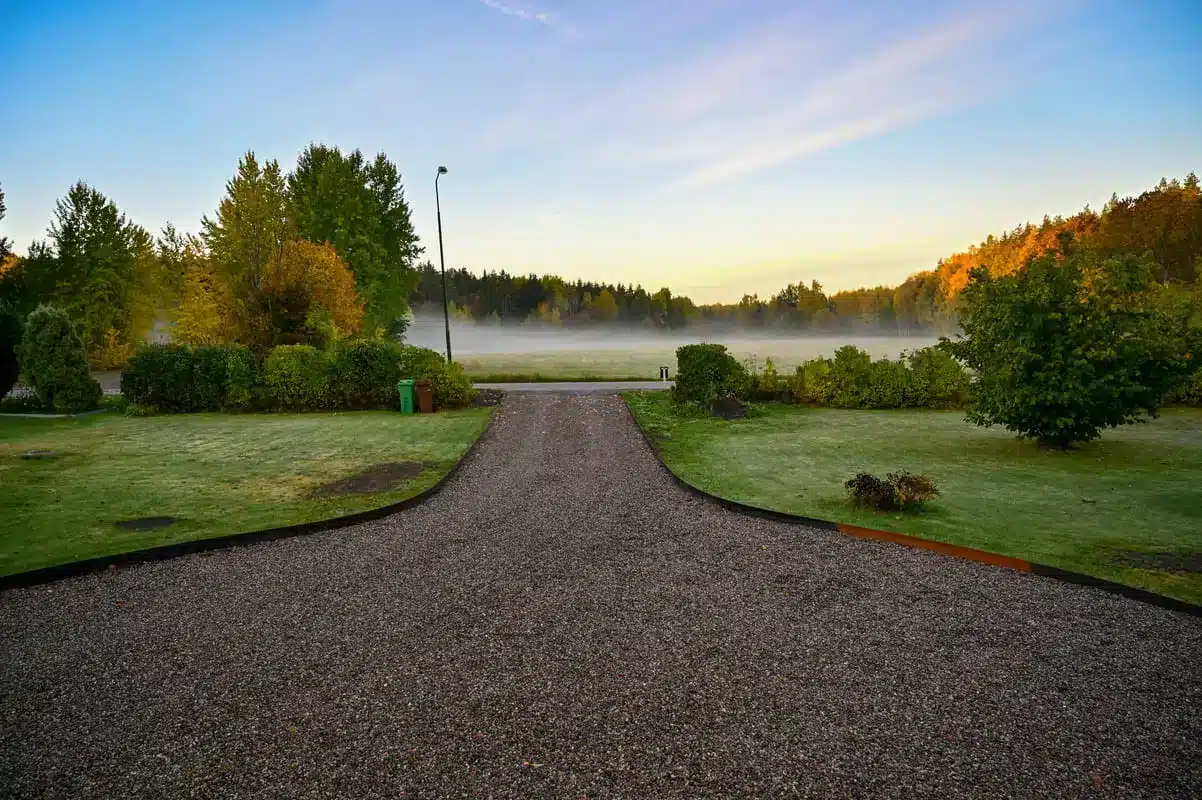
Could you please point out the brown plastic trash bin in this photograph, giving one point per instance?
(425, 396)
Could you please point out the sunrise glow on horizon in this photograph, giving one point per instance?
(717, 147)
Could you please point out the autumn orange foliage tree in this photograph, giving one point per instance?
(307, 278)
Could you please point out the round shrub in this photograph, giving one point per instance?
(452, 387)
(811, 382)
(364, 374)
(55, 363)
(888, 384)
(706, 372)
(850, 378)
(936, 380)
(296, 376)
(897, 491)
(10, 340)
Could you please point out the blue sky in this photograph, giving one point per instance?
(714, 146)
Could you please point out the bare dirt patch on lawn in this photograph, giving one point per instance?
(377, 478)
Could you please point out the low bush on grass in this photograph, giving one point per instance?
(936, 380)
(809, 383)
(452, 387)
(297, 377)
(1188, 394)
(55, 364)
(707, 372)
(897, 491)
(768, 385)
(926, 378)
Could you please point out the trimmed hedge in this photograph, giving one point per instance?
(178, 378)
(364, 374)
(55, 363)
(706, 372)
(241, 377)
(358, 374)
(297, 377)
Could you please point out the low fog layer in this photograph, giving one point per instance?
(468, 339)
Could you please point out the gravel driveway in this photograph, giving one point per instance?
(563, 621)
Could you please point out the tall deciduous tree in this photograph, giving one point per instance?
(97, 266)
(246, 239)
(360, 209)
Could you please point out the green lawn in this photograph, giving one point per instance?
(1139, 488)
(217, 474)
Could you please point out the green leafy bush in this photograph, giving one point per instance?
(178, 378)
(850, 378)
(1188, 393)
(160, 376)
(241, 377)
(364, 374)
(936, 379)
(1071, 345)
(768, 383)
(452, 387)
(810, 382)
(296, 377)
(140, 410)
(11, 330)
(888, 384)
(705, 372)
(897, 491)
(55, 364)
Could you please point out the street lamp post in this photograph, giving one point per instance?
(446, 312)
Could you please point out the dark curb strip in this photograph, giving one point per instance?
(60, 571)
(954, 550)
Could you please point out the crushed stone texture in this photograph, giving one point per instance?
(564, 621)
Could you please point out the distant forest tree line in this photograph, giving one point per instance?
(328, 252)
(1166, 221)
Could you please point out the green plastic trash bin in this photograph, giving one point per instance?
(405, 390)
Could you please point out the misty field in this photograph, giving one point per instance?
(623, 354)
(1127, 508)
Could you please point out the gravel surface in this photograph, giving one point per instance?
(563, 621)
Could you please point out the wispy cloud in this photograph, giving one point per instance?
(766, 96)
(520, 13)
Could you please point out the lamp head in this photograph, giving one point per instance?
(442, 170)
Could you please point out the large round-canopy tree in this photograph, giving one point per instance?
(1073, 343)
